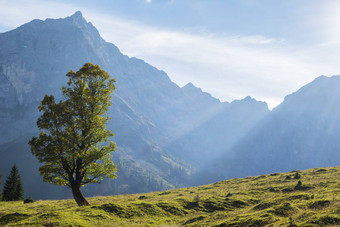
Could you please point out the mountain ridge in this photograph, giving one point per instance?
(300, 133)
(148, 109)
(167, 136)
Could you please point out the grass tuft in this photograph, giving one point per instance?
(284, 210)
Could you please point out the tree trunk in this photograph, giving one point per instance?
(78, 196)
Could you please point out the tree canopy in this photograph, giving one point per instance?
(74, 145)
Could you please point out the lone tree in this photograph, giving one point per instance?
(13, 189)
(74, 145)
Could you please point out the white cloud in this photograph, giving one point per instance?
(229, 67)
(148, 1)
(18, 12)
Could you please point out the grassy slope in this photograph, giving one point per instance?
(254, 201)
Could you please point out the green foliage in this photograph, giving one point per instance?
(297, 176)
(29, 200)
(13, 189)
(298, 185)
(250, 204)
(74, 145)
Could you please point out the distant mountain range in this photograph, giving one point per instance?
(167, 136)
(302, 132)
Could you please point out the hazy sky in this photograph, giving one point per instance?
(229, 48)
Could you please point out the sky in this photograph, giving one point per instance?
(265, 49)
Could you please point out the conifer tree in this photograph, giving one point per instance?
(13, 189)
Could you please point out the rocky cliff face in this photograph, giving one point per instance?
(8, 97)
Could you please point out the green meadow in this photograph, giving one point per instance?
(278, 199)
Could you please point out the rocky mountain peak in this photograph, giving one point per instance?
(250, 102)
(321, 91)
(77, 15)
(79, 21)
(196, 92)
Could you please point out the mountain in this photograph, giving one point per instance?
(218, 129)
(34, 59)
(302, 132)
(149, 112)
(167, 136)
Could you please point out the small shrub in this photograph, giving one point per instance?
(298, 185)
(288, 177)
(29, 200)
(142, 197)
(297, 176)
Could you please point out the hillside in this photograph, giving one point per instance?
(253, 201)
